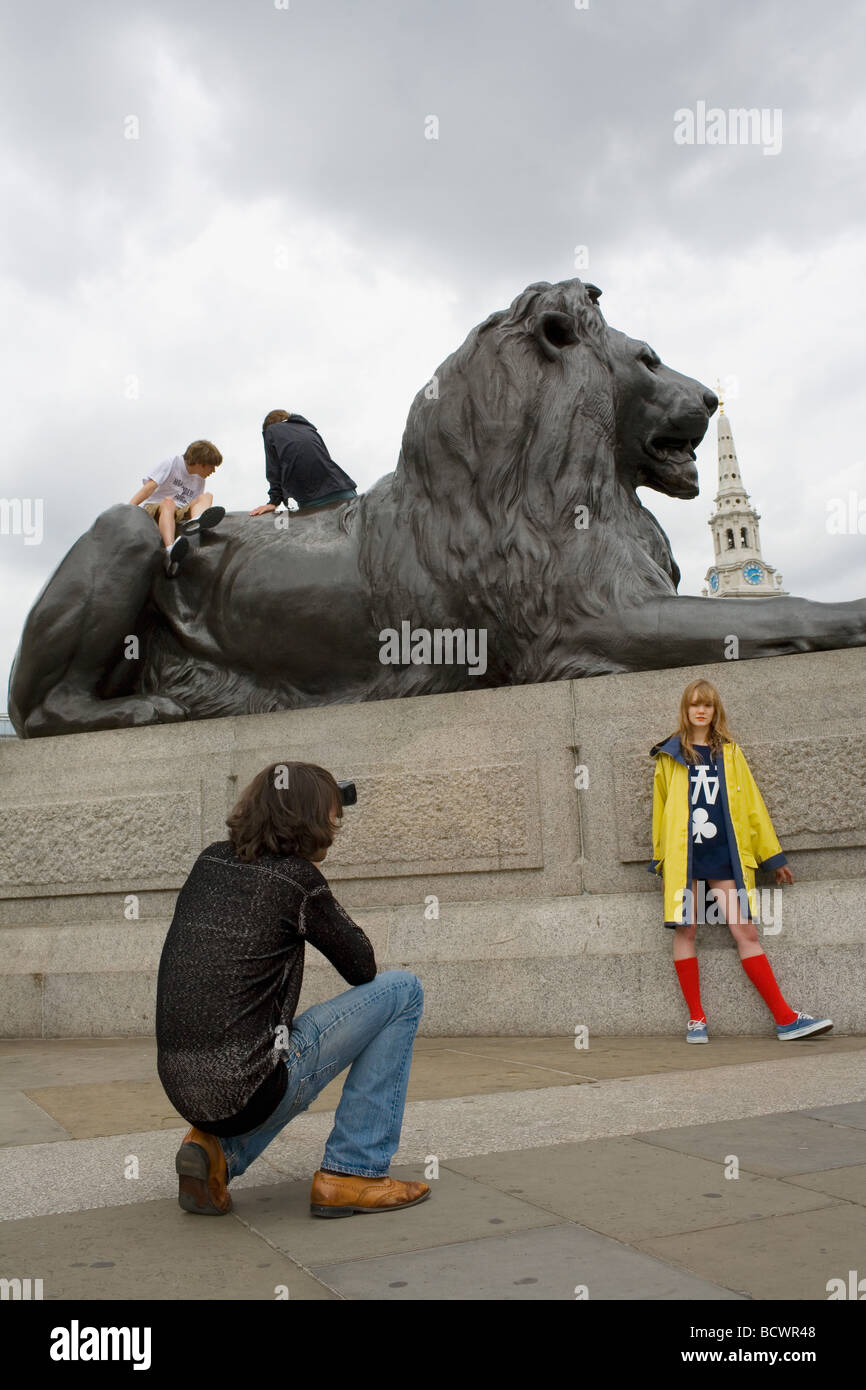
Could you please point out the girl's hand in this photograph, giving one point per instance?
(784, 875)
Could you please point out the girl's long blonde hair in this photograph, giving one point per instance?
(717, 734)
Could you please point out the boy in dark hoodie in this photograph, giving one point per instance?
(298, 465)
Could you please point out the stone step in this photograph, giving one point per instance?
(608, 994)
(608, 924)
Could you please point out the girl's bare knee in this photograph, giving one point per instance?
(687, 931)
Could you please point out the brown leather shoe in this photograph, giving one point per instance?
(201, 1166)
(344, 1194)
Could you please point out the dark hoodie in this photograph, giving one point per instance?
(298, 464)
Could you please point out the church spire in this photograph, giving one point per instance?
(740, 570)
(730, 482)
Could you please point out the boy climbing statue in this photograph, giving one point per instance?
(173, 494)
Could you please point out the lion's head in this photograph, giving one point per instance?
(661, 418)
(541, 412)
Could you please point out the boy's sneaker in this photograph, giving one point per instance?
(212, 516)
(697, 1030)
(174, 554)
(804, 1025)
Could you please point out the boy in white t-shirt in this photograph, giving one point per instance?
(173, 494)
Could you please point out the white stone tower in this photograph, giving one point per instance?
(740, 570)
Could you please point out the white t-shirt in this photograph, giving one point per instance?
(173, 480)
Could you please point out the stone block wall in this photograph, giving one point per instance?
(467, 808)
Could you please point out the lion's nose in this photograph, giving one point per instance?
(711, 400)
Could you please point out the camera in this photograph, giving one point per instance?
(348, 793)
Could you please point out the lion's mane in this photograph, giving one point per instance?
(498, 451)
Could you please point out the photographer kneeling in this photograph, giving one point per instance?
(232, 1057)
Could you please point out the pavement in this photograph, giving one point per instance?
(634, 1169)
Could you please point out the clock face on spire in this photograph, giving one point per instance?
(753, 573)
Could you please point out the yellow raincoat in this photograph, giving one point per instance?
(752, 841)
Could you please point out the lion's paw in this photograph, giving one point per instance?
(166, 710)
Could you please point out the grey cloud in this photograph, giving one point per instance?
(556, 128)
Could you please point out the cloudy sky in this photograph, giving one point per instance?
(216, 207)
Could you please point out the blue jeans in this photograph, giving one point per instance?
(372, 1026)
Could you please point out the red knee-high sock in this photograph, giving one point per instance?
(758, 970)
(687, 973)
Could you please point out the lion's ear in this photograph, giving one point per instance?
(553, 332)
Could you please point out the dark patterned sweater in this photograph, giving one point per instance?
(230, 974)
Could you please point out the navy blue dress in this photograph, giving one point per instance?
(710, 854)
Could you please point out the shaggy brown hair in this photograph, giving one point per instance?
(274, 417)
(718, 732)
(288, 808)
(202, 451)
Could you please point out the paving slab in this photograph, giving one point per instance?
(853, 1114)
(154, 1250)
(87, 1110)
(783, 1257)
(36, 1062)
(458, 1208)
(108, 1107)
(43, 1062)
(550, 1263)
(847, 1183)
(438, 1073)
(609, 1057)
(22, 1121)
(773, 1145)
(634, 1191)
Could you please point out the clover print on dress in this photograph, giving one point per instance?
(702, 826)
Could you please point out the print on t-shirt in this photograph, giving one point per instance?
(709, 839)
(705, 789)
(173, 480)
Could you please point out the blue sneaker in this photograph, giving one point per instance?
(804, 1026)
(697, 1030)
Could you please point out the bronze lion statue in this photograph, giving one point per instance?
(512, 512)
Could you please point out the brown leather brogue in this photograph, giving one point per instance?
(344, 1194)
(201, 1168)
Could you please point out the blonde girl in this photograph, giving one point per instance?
(711, 832)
